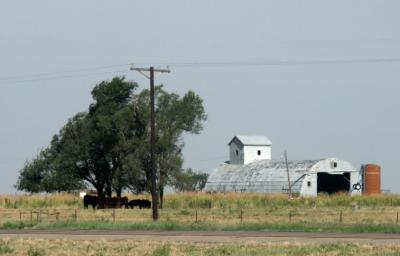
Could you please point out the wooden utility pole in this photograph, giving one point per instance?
(288, 176)
(154, 194)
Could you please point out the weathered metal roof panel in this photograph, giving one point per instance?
(252, 140)
(268, 176)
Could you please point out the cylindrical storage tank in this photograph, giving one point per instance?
(372, 179)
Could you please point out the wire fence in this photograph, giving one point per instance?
(220, 216)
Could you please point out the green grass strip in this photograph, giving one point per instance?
(204, 226)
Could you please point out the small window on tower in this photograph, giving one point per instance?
(308, 183)
(334, 165)
(259, 152)
(237, 152)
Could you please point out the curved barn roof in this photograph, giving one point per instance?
(252, 140)
(260, 176)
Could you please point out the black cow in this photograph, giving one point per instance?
(90, 200)
(145, 204)
(112, 202)
(142, 203)
(133, 203)
(115, 202)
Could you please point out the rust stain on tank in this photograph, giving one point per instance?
(372, 179)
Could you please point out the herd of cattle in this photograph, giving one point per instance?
(114, 202)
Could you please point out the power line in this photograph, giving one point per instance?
(228, 64)
(344, 42)
(281, 62)
(62, 72)
(62, 77)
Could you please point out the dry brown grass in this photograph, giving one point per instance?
(222, 208)
(42, 247)
(207, 200)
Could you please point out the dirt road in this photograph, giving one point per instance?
(204, 236)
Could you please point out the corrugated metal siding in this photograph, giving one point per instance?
(268, 176)
(252, 140)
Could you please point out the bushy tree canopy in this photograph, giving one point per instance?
(107, 147)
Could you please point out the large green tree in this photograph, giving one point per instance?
(90, 147)
(41, 174)
(175, 116)
(107, 147)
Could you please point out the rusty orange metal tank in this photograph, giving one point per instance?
(372, 179)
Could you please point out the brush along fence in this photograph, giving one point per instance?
(388, 215)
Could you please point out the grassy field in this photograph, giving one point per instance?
(40, 247)
(210, 201)
(202, 211)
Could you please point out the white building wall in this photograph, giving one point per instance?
(355, 177)
(236, 155)
(251, 153)
(309, 186)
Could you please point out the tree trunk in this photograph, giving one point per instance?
(118, 191)
(101, 198)
(108, 191)
(161, 188)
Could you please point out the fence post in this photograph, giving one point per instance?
(20, 216)
(290, 216)
(341, 217)
(113, 214)
(241, 215)
(196, 215)
(31, 219)
(76, 216)
(397, 218)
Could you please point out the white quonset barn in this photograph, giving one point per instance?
(251, 169)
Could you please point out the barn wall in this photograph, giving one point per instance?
(309, 185)
(270, 176)
(328, 165)
(250, 153)
(266, 176)
(355, 177)
(233, 158)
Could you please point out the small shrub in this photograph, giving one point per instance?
(368, 221)
(185, 212)
(173, 203)
(13, 225)
(164, 250)
(343, 249)
(33, 251)
(224, 250)
(4, 248)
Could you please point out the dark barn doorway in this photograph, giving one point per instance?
(333, 183)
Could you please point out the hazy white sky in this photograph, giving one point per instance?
(314, 111)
